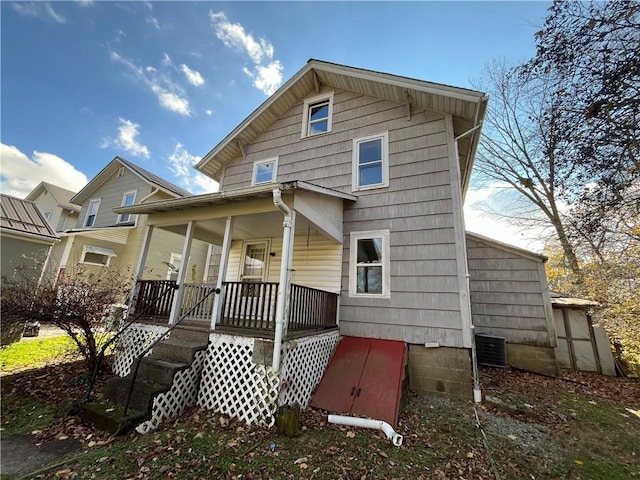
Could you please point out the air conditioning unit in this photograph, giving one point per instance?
(491, 350)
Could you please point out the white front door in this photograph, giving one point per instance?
(254, 261)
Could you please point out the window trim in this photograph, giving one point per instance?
(306, 118)
(95, 215)
(386, 263)
(273, 160)
(121, 216)
(84, 254)
(355, 173)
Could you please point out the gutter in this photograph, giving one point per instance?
(284, 278)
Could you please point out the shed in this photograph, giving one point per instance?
(582, 345)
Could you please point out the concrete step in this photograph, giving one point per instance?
(110, 418)
(142, 394)
(197, 332)
(178, 350)
(159, 370)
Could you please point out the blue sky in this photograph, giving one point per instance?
(161, 83)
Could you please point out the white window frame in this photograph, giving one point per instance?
(47, 216)
(306, 117)
(385, 264)
(84, 254)
(95, 215)
(126, 217)
(355, 173)
(172, 261)
(254, 179)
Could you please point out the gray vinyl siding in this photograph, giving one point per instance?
(110, 194)
(507, 294)
(416, 207)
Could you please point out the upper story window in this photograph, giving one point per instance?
(265, 171)
(317, 115)
(47, 216)
(371, 162)
(92, 212)
(369, 274)
(128, 199)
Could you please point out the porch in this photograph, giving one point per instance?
(247, 308)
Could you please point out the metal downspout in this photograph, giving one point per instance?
(284, 277)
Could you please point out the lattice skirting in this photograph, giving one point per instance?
(304, 362)
(131, 344)
(234, 385)
(183, 393)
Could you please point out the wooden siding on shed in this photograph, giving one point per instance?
(508, 295)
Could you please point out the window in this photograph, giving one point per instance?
(265, 171)
(97, 255)
(371, 162)
(128, 199)
(92, 212)
(316, 117)
(47, 216)
(369, 264)
(174, 264)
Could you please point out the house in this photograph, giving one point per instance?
(93, 236)
(25, 239)
(339, 215)
(582, 344)
(55, 204)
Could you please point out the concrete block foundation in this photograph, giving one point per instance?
(442, 371)
(532, 358)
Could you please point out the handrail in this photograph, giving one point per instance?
(156, 341)
(109, 342)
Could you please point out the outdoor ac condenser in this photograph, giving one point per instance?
(491, 350)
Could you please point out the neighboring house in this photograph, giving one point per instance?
(100, 238)
(339, 214)
(55, 204)
(25, 238)
(582, 345)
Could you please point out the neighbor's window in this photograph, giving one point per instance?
(317, 115)
(92, 212)
(369, 264)
(128, 199)
(371, 162)
(96, 255)
(47, 216)
(265, 171)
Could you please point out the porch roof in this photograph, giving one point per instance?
(228, 196)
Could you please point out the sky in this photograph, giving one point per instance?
(161, 83)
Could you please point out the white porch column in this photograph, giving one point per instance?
(142, 260)
(288, 226)
(66, 253)
(218, 301)
(182, 274)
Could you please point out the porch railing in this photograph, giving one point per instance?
(311, 308)
(149, 291)
(245, 304)
(249, 304)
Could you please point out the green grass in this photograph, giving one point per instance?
(34, 353)
(21, 415)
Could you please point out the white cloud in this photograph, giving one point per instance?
(170, 95)
(153, 21)
(38, 10)
(127, 139)
(182, 163)
(193, 76)
(480, 219)
(21, 174)
(209, 112)
(266, 72)
(85, 3)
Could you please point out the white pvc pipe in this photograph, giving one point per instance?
(394, 438)
(284, 277)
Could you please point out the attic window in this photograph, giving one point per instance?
(120, 172)
(265, 171)
(317, 115)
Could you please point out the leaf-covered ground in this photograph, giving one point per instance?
(578, 426)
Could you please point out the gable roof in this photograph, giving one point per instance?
(62, 196)
(113, 166)
(22, 217)
(506, 247)
(467, 107)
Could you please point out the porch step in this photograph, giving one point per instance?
(193, 332)
(177, 350)
(159, 370)
(110, 418)
(141, 396)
